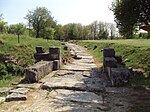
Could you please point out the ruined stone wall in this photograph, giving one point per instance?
(44, 63)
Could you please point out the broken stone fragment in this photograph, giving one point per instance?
(5, 89)
(16, 97)
(2, 99)
(31, 86)
(19, 90)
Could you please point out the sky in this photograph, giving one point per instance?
(63, 11)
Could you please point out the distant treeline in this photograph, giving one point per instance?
(42, 25)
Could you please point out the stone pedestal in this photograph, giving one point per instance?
(55, 53)
(40, 49)
(38, 71)
(41, 57)
(108, 52)
(56, 64)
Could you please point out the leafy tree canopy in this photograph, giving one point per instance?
(39, 19)
(131, 13)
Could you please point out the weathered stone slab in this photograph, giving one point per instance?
(38, 71)
(41, 57)
(15, 97)
(31, 86)
(19, 90)
(84, 64)
(76, 96)
(64, 72)
(48, 77)
(76, 67)
(64, 83)
(2, 99)
(5, 89)
(85, 61)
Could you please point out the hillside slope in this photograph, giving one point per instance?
(14, 57)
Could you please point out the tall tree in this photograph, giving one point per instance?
(131, 13)
(39, 19)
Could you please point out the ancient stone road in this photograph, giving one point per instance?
(76, 87)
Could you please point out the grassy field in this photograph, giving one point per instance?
(14, 57)
(135, 52)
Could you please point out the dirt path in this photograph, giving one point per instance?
(76, 87)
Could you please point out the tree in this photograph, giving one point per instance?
(129, 14)
(1, 17)
(39, 19)
(49, 33)
(17, 29)
(112, 30)
(2, 24)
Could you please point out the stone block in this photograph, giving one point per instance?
(38, 71)
(41, 56)
(110, 62)
(19, 90)
(66, 48)
(30, 86)
(40, 49)
(55, 53)
(15, 97)
(5, 89)
(56, 64)
(108, 52)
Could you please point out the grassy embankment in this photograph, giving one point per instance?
(14, 57)
(135, 52)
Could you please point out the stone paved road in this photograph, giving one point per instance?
(76, 87)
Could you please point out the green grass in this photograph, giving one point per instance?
(22, 54)
(130, 42)
(135, 52)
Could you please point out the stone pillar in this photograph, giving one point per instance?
(40, 49)
(109, 58)
(55, 53)
(55, 56)
(41, 55)
(108, 52)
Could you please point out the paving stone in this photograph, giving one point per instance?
(19, 90)
(2, 99)
(76, 68)
(64, 72)
(31, 86)
(15, 97)
(5, 89)
(76, 96)
(64, 83)
(48, 77)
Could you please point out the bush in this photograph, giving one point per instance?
(3, 71)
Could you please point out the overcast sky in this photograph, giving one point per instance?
(64, 11)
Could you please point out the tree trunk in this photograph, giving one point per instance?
(18, 39)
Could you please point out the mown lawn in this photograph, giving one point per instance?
(14, 56)
(135, 53)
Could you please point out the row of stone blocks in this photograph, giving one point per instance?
(45, 63)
